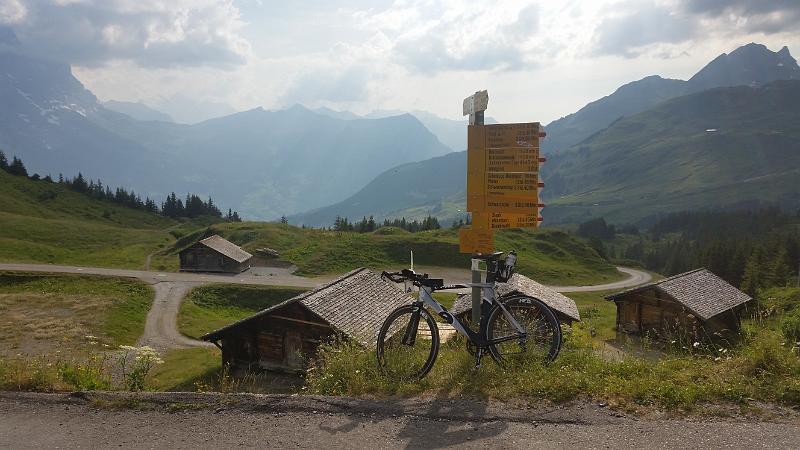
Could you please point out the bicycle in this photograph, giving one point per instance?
(516, 330)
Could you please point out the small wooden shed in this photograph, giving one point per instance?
(564, 307)
(214, 254)
(283, 336)
(694, 304)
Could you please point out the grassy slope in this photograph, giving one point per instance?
(46, 223)
(208, 308)
(45, 313)
(42, 222)
(549, 256)
(664, 160)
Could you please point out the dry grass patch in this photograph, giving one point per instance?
(48, 314)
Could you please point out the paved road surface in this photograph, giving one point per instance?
(635, 278)
(55, 421)
(454, 275)
(280, 277)
(161, 331)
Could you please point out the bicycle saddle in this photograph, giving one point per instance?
(488, 256)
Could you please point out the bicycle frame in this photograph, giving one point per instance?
(489, 294)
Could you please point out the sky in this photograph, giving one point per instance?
(539, 60)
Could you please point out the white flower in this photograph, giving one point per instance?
(696, 344)
(717, 358)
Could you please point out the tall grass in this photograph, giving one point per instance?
(762, 367)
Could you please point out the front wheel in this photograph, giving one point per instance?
(541, 342)
(408, 343)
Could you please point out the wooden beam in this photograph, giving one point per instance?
(291, 319)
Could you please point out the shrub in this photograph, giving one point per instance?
(790, 326)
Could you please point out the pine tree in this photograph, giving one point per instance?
(284, 220)
(781, 269)
(753, 277)
(17, 168)
(3, 161)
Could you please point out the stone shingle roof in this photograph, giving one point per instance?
(523, 285)
(700, 291)
(226, 247)
(355, 304)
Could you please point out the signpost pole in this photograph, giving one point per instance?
(476, 118)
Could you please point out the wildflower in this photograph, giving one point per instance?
(673, 341)
(724, 350)
(696, 344)
(106, 345)
(90, 337)
(127, 347)
(718, 358)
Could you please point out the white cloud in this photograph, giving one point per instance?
(12, 11)
(539, 59)
(150, 33)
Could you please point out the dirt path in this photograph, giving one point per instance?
(276, 276)
(161, 331)
(635, 278)
(219, 421)
(454, 275)
(161, 328)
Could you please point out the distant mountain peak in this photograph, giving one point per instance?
(748, 65)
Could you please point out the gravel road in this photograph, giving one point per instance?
(635, 278)
(161, 331)
(279, 277)
(179, 421)
(161, 328)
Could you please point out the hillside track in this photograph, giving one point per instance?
(280, 276)
(161, 329)
(454, 275)
(635, 278)
(183, 420)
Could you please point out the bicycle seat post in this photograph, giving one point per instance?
(476, 292)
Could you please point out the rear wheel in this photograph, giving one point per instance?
(543, 333)
(408, 352)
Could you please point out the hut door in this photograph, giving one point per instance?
(293, 347)
(630, 317)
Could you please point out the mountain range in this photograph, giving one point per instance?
(594, 153)
(262, 163)
(315, 165)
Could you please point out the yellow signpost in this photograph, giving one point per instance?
(502, 181)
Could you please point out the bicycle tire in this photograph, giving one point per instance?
(392, 355)
(543, 342)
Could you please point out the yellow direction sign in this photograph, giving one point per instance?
(498, 221)
(502, 181)
(503, 168)
(475, 241)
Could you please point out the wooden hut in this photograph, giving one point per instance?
(694, 304)
(564, 307)
(283, 336)
(214, 254)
